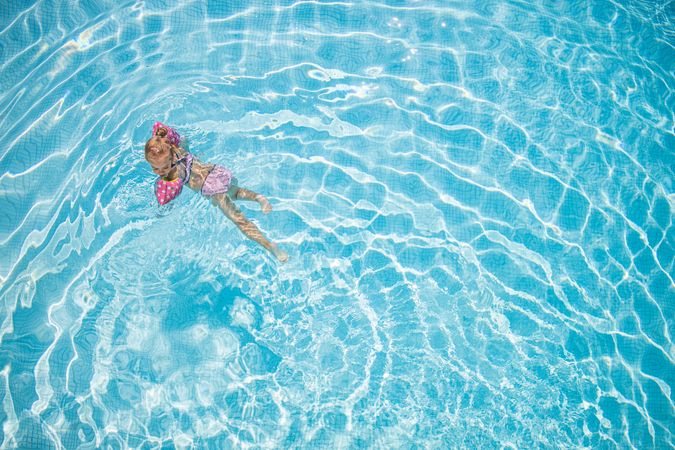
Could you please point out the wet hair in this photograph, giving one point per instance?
(162, 132)
(158, 147)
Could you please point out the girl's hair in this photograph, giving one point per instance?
(162, 132)
(158, 146)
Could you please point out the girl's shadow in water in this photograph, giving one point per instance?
(214, 307)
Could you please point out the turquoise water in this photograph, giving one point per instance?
(476, 197)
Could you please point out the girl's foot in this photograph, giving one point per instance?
(281, 255)
(264, 204)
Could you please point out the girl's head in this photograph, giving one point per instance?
(159, 154)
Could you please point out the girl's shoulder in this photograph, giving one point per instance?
(196, 162)
(180, 151)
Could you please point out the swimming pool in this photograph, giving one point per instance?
(476, 197)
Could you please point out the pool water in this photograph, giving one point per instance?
(476, 196)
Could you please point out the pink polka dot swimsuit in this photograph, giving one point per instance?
(167, 190)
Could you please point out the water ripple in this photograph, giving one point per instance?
(477, 201)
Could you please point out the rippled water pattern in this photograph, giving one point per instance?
(477, 199)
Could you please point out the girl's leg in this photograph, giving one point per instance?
(245, 194)
(225, 203)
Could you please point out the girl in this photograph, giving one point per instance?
(177, 167)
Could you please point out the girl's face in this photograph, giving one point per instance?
(160, 157)
(162, 166)
(162, 162)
